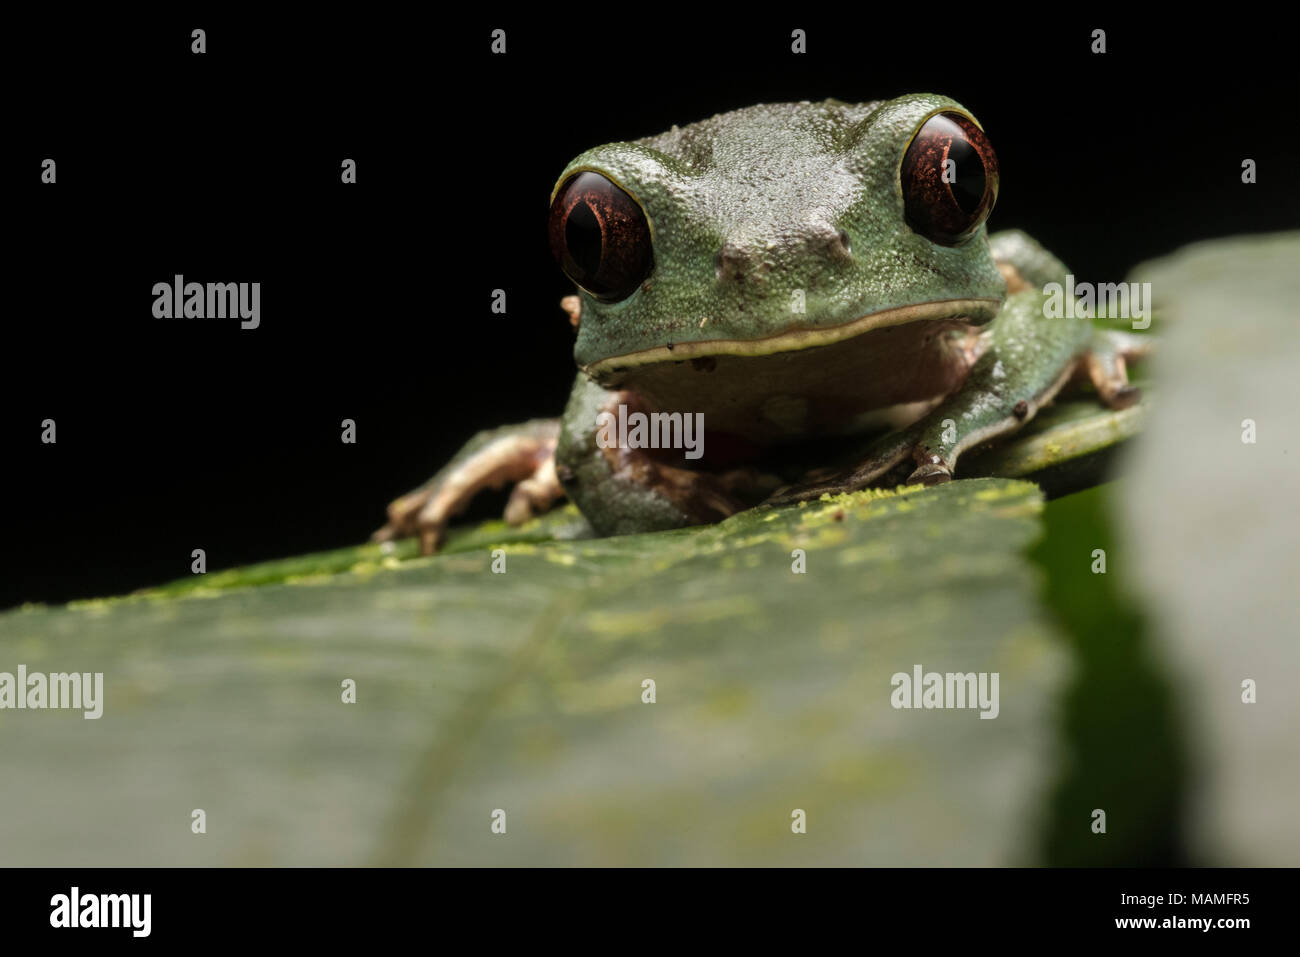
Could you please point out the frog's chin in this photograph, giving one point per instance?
(974, 312)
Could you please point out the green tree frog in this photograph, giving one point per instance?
(797, 277)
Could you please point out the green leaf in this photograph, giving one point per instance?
(1069, 446)
(523, 691)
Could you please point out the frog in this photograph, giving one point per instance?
(816, 283)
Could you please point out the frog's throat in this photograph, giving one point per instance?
(972, 311)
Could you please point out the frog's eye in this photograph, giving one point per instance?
(949, 178)
(600, 236)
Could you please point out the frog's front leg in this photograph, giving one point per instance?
(1026, 359)
(523, 454)
(1025, 264)
(623, 491)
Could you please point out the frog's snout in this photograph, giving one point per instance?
(750, 257)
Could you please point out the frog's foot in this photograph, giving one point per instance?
(932, 445)
(1106, 366)
(523, 454)
(880, 458)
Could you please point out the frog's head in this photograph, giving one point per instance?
(776, 229)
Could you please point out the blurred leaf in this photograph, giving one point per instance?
(1209, 521)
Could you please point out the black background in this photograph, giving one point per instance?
(175, 435)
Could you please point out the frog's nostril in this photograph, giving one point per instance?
(830, 242)
(730, 262)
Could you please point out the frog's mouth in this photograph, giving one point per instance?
(808, 381)
(968, 311)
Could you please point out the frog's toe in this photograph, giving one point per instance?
(931, 473)
(535, 494)
(875, 465)
(819, 483)
(1108, 371)
(1125, 396)
(431, 529)
(402, 515)
(422, 513)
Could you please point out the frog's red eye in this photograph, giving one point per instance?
(600, 236)
(949, 178)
